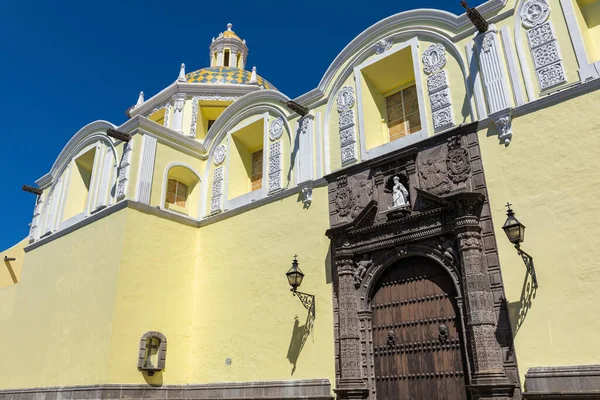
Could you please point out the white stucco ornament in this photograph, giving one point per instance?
(220, 153)
(345, 99)
(434, 58)
(534, 13)
(383, 45)
(276, 129)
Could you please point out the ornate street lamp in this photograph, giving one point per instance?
(515, 232)
(295, 277)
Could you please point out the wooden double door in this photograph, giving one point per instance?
(418, 351)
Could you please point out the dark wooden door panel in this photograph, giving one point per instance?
(416, 338)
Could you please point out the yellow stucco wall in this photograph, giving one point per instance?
(244, 309)
(56, 321)
(549, 174)
(154, 291)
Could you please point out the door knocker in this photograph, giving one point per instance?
(443, 333)
(391, 341)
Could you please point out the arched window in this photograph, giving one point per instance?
(153, 352)
(181, 190)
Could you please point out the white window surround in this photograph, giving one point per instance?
(255, 195)
(53, 219)
(163, 193)
(407, 140)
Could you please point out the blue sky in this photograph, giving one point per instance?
(67, 63)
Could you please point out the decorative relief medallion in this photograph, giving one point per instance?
(534, 12)
(445, 168)
(486, 41)
(551, 76)
(540, 35)
(383, 45)
(194, 116)
(217, 190)
(443, 119)
(276, 129)
(545, 54)
(220, 153)
(546, 57)
(437, 81)
(434, 58)
(345, 99)
(346, 119)
(457, 161)
(275, 166)
(343, 200)
(347, 136)
(440, 99)
(348, 154)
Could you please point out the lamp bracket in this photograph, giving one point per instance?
(528, 260)
(307, 300)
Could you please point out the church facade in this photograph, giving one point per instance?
(156, 262)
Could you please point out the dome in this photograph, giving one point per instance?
(226, 75)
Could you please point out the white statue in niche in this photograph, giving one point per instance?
(399, 194)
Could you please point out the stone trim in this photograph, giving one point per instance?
(310, 389)
(162, 351)
(572, 382)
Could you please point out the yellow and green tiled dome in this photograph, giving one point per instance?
(226, 75)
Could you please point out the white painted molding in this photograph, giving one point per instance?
(586, 70)
(124, 170)
(434, 61)
(304, 154)
(33, 228)
(493, 71)
(216, 203)
(345, 100)
(503, 122)
(511, 61)
(178, 106)
(146, 169)
(96, 129)
(546, 56)
(382, 29)
(274, 172)
(475, 81)
(413, 43)
(518, 32)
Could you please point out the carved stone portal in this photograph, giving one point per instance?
(448, 209)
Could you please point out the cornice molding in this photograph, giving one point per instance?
(192, 89)
(263, 97)
(453, 23)
(66, 153)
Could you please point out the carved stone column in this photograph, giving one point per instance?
(489, 380)
(351, 385)
(366, 330)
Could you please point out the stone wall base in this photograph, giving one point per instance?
(564, 383)
(314, 389)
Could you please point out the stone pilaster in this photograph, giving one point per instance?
(489, 381)
(351, 385)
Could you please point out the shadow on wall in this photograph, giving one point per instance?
(300, 334)
(11, 271)
(518, 310)
(154, 380)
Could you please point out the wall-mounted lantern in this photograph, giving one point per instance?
(515, 231)
(295, 277)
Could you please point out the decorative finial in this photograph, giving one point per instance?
(480, 23)
(181, 77)
(508, 207)
(253, 77)
(229, 25)
(140, 100)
